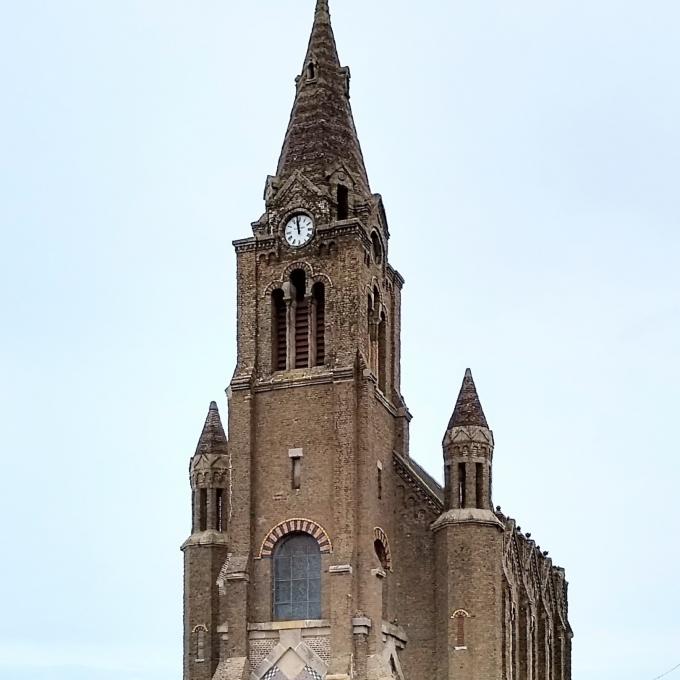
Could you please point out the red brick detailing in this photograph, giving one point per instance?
(294, 526)
(380, 535)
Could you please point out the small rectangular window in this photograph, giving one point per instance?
(380, 485)
(297, 473)
(343, 202)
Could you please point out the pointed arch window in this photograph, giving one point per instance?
(297, 578)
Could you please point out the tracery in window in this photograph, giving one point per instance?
(297, 578)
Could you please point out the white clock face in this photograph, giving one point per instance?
(299, 230)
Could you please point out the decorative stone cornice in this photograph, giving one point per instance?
(205, 539)
(467, 516)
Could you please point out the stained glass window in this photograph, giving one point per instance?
(297, 579)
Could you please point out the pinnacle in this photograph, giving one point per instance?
(213, 440)
(321, 131)
(468, 409)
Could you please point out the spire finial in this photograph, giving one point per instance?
(213, 440)
(468, 411)
(321, 132)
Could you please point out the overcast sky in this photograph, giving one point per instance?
(528, 154)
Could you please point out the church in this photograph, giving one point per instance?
(319, 547)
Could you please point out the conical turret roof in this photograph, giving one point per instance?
(213, 440)
(321, 131)
(468, 411)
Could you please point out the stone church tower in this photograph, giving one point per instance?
(319, 547)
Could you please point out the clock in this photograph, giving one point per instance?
(299, 230)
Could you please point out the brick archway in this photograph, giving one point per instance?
(293, 526)
(380, 535)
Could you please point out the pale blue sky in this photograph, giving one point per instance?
(528, 154)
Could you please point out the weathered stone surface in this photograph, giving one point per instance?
(417, 580)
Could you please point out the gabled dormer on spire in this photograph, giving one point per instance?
(321, 135)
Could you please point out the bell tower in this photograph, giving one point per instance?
(319, 549)
(315, 416)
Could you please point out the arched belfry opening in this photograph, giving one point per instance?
(299, 323)
(298, 281)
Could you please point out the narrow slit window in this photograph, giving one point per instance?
(480, 485)
(319, 294)
(200, 644)
(380, 483)
(296, 476)
(311, 70)
(382, 354)
(343, 202)
(462, 485)
(219, 509)
(279, 344)
(203, 511)
(377, 248)
(460, 630)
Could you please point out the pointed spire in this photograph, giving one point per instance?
(213, 440)
(321, 131)
(468, 409)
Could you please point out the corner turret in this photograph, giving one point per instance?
(209, 474)
(468, 456)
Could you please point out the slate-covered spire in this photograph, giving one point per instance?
(213, 440)
(468, 409)
(321, 132)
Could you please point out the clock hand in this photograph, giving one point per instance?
(297, 221)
